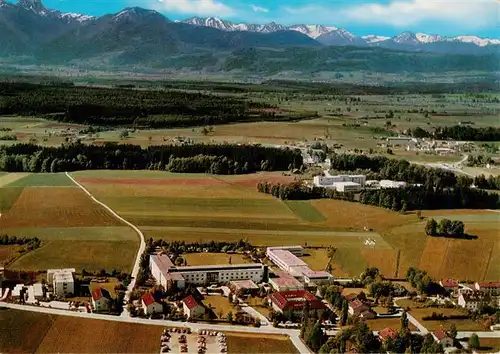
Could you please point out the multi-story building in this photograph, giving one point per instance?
(329, 181)
(490, 287)
(294, 301)
(62, 280)
(168, 275)
(471, 300)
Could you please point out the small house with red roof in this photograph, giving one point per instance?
(294, 301)
(490, 287)
(150, 305)
(449, 284)
(368, 315)
(191, 307)
(386, 334)
(443, 338)
(356, 307)
(101, 300)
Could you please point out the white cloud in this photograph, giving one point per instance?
(194, 7)
(466, 13)
(259, 8)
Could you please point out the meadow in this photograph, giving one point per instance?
(31, 332)
(52, 208)
(228, 208)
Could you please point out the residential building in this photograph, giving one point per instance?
(449, 284)
(294, 301)
(168, 275)
(490, 287)
(101, 300)
(17, 291)
(244, 286)
(443, 338)
(62, 280)
(38, 291)
(150, 305)
(471, 300)
(368, 315)
(387, 333)
(191, 307)
(285, 282)
(356, 307)
(385, 183)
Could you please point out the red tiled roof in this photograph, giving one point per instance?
(387, 333)
(356, 304)
(148, 299)
(489, 284)
(295, 300)
(351, 297)
(99, 293)
(190, 302)
(440, 334)
(449, 283)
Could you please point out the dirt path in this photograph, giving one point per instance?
(142, 247)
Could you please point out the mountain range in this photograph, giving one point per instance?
(338, 36)
(137, 37)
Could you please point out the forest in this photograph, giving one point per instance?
(217, 159)
(119, 106)
(396, 199)
(381, 167)
(458, 132)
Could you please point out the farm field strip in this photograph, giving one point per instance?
(43, 180)
(304, 210)
(8, 178)
(87, 233)
(8, 197)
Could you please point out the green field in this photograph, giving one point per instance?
(304, 210)
(91, 233)
(8, 197)
(44, 180)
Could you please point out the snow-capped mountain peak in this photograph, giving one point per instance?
(481, 42)
(77, 17)
(313, 31)
(134, 13)
(33, 5)
(427, 38)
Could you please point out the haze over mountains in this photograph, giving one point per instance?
(138, 37)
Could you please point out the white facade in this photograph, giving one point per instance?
(62, 281)
(346, 187)
(492, 288)
(329, 180)
(38, 291)
(166, 273)
(385, 183)
(472, 300)
(152, 308)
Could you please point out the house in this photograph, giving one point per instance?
(471, 300)
(443, 338)
(449, 284)
(150, 305)
(101, 300)
(38, 291)
(191, 307)
(387, 333)
(244, 287)
(490, 287)
(356, 296)
(356, 307)
(62, 280)
(294, 301)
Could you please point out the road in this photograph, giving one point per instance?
(142, 246)
(292, 333)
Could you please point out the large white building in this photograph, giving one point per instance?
(167, 274)
(293, 265)
(385, 183)
(62, 280)
(329, 181)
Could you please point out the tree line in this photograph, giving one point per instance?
(130, 107)
(217, 159)
(381, 167)
(446, 227)
(396, 199)
(458, 132)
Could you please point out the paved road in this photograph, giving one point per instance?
(142, 246)
(292, 333)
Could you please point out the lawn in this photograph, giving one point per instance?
(89, 255)
(257, 304)
(8, 197)
(44, 180)
(304, 210)
(489, 345)
(197, 259)
(381, 323)
(317, 259)
(220, 305)
(109, 286)
(91, 233)
(259, 343)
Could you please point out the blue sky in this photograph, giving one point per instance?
(362, 17)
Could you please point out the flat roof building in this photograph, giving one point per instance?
(329, 181)
(62, 281)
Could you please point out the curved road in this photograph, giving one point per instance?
(142, 246)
